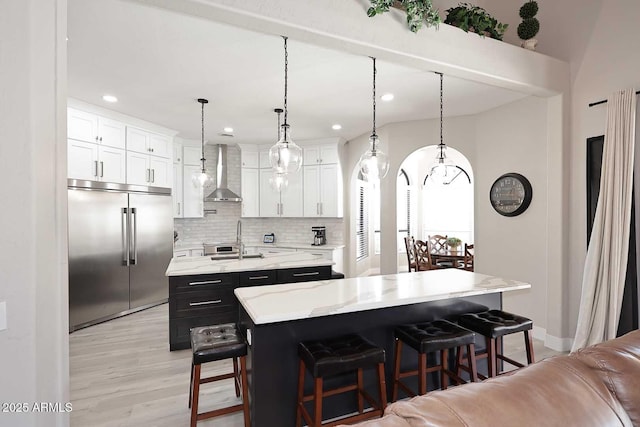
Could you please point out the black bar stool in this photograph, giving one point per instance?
(427, 337)
(493, 325)
(211, 343)
(336, 356)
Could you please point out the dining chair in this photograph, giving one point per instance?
(411, 255)
(423, 256)
(467, 262)
(438, 243)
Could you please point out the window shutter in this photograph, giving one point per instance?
(362, 227)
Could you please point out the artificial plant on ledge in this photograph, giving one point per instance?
(472, 18)
(419, 12)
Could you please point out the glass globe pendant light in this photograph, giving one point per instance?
(285, 156)
(443, 170)
(374, 164)
(278, 180)
(202, 178)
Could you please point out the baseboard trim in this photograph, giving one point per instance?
(554, 343)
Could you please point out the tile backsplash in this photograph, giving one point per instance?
(221, 226)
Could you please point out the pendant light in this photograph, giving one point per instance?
(443, 170)
(278, 180)
(374, 164)
(285, 156)
(202, 178)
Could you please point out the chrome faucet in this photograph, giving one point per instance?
(239, 239)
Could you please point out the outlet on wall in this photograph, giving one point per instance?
(3, 315)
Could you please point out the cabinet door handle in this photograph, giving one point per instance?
(96, 138)
(258, 277)
(95, 165)
(148, 176)
(195, 304)
(206, 282)
(153, 175)
(314, 273)
(321, 209)
(100, 139)
(101, 169)
(180, 256)
(178, 208)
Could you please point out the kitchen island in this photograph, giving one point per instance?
(275, 318)
(201, 288)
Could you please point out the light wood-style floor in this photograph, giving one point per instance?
(123, 374)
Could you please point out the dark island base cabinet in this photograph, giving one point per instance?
(208, 299)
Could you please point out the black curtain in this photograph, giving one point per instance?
(629, 313)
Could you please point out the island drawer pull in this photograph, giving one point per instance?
(206, 282)
(315, 273)
(258, 277)
(193, 304)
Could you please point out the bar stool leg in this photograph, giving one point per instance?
(444, 378)
(196, 392)
(301, 371)
(235, 376)
(471, 359)
(191, 385)
(245, 391)
(396, 371)
(491, 357)
(422, 374)
(528, 342)
(317, 396)
(383, 388)
(359, 392)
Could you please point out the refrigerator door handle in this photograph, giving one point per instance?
(134, 236)
(125, 237)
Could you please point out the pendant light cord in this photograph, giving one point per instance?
(286, 77)
(373, 134)
(202, 101)
(441, 114)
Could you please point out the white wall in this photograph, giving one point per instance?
(611, 63)
(33, 253)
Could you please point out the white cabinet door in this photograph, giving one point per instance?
(111, 133)
(160, 172)
(82, 126)
(328, 153)
(330, 191)
(192, 155)
(177, 152)
(137, 140)
(249, 159)
(250, 181)
(112, 165)
(192, 194)
(263, 156)
(311, 154)
(291, 196)
(82, 160)
(311, 199)
(138, 172)
(160, 145)
(176, 192)
(269, 198)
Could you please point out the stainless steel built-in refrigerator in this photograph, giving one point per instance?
(120, 243)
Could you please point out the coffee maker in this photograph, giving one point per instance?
(319, 236)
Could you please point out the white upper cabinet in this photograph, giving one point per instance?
(89, 127)
(250, 182)
(160, 145)
(141, 141)
(320, 154)
(112, 164)
(269, 198)
(193, 197)
(178, 179)
(291, 196)
(263, 156)
(322, 194)
(249, 158)
(94, 162)
(143, 169)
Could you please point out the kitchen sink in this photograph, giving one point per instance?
(236, 256)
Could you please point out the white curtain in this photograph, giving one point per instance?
(606, 263)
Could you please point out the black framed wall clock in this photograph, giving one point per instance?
(511, 194)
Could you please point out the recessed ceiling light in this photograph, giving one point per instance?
(228, 130)
(109, 98)
(387, 97)
(336, 127)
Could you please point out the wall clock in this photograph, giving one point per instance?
(511, 194)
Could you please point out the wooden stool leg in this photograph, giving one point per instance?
(422, 373)
(396, 371)
(359, 391)
(235, 376)
(382, 383)
(459, 359)
(491, 357)
(444, 362)
(528, 342)
(301, 372)
(196, 391)
(245, 391)
(317, 396)
(471, 358)
(191, 385)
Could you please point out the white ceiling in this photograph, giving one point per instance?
(158, 63)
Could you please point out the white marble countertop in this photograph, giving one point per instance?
(306, 246)
(186, 266)
(295, 301)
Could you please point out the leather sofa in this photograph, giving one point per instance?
(597, 386)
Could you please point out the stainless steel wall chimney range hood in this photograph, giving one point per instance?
(222, 193)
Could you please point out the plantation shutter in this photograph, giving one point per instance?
(362, 226)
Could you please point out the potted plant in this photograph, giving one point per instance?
(530, 25)
(453, 243)
(419, 12)
(472, 18)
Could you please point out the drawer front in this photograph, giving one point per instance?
(256, 278)
(180, 329)
(201, 282)
(306, 274)
(210, 301)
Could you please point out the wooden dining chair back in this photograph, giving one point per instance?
(411, 254)
(438, 243)
(467, 263)
(423, 256)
